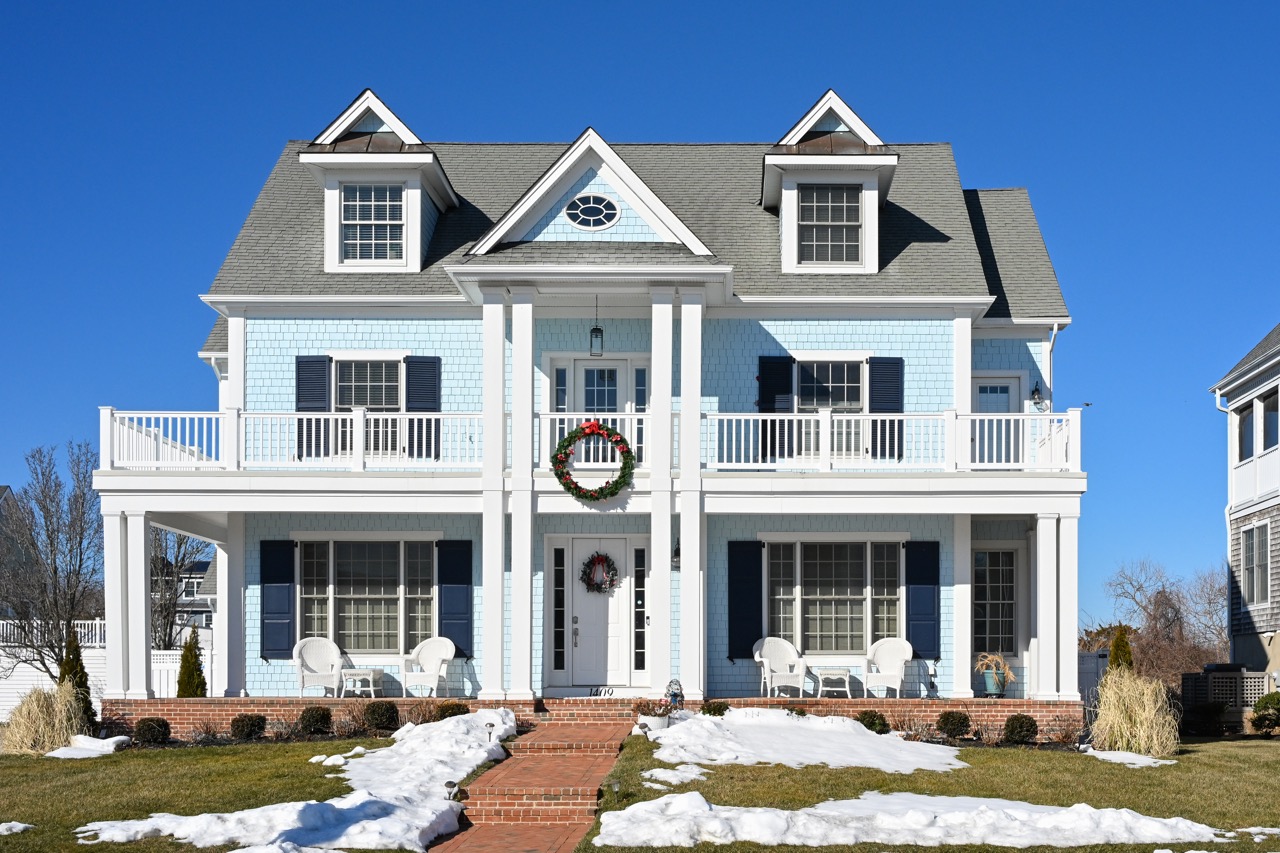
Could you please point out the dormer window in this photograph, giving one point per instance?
(830, 223)
(372, 222)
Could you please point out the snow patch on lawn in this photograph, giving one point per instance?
(83, 746)
(13, 827)
(398, 801)
(769, 736)
(1128, 759)
(683, 820)
(681, 775)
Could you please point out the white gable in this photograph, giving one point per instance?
(830, 113)
(555, 225)
(367, 114)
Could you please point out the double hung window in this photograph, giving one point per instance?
(834, 597)
(372, 222)
(830, 224)
(836, 385)
(1255, 582)
(375, 386)
(993, 601)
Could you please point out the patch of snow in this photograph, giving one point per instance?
(683, 820)
(334, 761)
(83, 746)
(357, 751)
(316, 759)
(1128, 759)
(774, 736)
(13, 827)
(398, 801)
(279, 847)
(681, 775)
(656, 786)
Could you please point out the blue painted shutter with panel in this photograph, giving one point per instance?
(776, 395)
(924, 606)
(279, 626)
(746, 597)
(453, 581)
(886, 397)
(422, 394)
(312, 393)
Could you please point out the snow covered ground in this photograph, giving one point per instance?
(13, 827)
(398, 799)
(1128, 759)
(83, 746)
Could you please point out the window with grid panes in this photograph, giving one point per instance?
(829, 384)
(419, 588)
(372, 222)
(374, 386)
(830, 224)
(314, 586)
(366, 581)
(993, 602)
(1255, 565)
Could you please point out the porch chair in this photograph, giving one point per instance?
(319, 665)
(427, 663)
(780, 665)
(886, 665)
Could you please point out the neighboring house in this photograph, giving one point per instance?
(195, 600)
(833, 365)
(1250, 394)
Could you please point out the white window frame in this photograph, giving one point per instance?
(1261, 568)
(569, 361)
(414, 198)
(344, 223)
(430, 537)
(789, 221)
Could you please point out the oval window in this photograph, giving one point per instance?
(591, 212)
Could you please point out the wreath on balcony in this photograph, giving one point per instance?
(564, 451)
(599, 573)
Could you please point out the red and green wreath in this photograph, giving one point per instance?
(599, 573)
(564, 451)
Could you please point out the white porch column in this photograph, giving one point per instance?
(1068, 607)
(658, 588)
(493, 546)
(962, 357)
(522, 462)
(228, 621)
(692, 548)
(962, 609)
(1046, 659)
(138, 598)
(115, 582)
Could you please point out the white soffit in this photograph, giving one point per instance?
(366, 111)
(830, 106)
(589, 151)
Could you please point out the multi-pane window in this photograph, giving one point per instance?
(1244, 422)
(372, 222)
(1255, 565)
(829, 384)
(375, 386)
(830, 224)
(837, 597)
(355, 592)
(993, 603)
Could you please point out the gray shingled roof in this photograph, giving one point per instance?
(1268, 347)
(928, 245)
(217, 340)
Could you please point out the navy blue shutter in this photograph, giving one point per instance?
(924, 606)
(886, 397)
(776, 395)
(279, 627)
(422, 394)
(746, 597)
(453, 582)
(312, 389)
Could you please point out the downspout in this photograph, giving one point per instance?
(1226, 513)
(1053, 339)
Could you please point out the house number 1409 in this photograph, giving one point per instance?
(600, 691)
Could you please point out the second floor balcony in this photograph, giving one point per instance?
(821, 441)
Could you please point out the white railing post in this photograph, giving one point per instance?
(106, 446)
(951, 440)
(1072, 455)
(231, 435)
(358, 422)
(825, 438)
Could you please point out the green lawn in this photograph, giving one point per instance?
(1225, 784)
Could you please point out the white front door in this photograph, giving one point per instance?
(996, 440)
(598, 620)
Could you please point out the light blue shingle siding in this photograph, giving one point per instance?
(1013, 354)
(554, 225)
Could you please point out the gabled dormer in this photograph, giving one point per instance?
(828, 178)
(589, 194)
(384, 189)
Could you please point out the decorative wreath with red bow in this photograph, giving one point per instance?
(564, 452)
(599, 573)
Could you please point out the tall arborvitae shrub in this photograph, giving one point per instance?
(71, 669)
(1121, 652)
(191, 683)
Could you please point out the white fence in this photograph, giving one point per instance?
(92, 633)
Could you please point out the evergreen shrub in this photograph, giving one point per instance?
(954, 724)
(248, 726)
(71, 669)
(191, 682)
(447, 709)
(873, 721)
(381, 715)
(151, 730)
(1266, 713)
(315, 720)
(715, 707)
(1020, 728)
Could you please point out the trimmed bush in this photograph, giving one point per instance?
(1134, 715)
(151, 730)
(1121, 652)
(382, 715)
(1020, 728)
(1266, 713)
(447, 709)
(191, 682)
(44, 720)
(797, 710)
(248, 726)
(715, 707)
(315, 720)
(71, 668)
(954, 724)
(873, 721)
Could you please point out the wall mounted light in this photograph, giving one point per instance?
(597, 334)
(675, 555)
(1036, 396)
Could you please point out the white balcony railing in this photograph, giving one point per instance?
(593, 451)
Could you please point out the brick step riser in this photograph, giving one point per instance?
(542, 749)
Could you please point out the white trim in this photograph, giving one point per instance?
(998, 322)
(831, 355)
(368, 354)
(1246, 605)
(830, 102)
(1022, 377)
(366, 101)
(366, 535)
(586, 279)
(1021, 596)
(617, 212)
(793, 536)
(612, 169)
(868, 228)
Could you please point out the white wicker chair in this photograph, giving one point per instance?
(431, 659)
(887, 665)
(319, 665)
(780, 665)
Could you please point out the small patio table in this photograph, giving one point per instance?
(838, 675)
(366, 680)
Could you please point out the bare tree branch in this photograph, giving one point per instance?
(172, 555)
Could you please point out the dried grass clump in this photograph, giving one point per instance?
(1134, 715)
(45, 720)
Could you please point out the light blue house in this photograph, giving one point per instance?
(829, 365)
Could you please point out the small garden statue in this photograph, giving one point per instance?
(675, 694)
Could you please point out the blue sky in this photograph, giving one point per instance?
(140, 135)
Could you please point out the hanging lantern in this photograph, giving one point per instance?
(597, 334)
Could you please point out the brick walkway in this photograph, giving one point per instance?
(543, 798)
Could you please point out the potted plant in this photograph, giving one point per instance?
(995, 673)
(652, 712)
